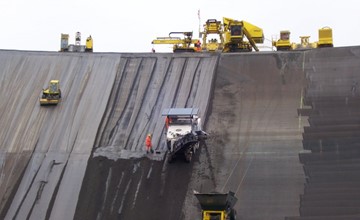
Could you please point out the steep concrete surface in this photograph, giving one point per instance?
(84, 159)
(255, 136)
(142, 90)
(332, 160)
(45, 150)
(253, 151)
(139, 188)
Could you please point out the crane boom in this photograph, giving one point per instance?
(180, 44)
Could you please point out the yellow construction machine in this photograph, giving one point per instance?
(217, 206)
(304, 44)
(89, 44)
(325, 37)
(211, 27)
(325, 40)
(232, 36)
(77, 47)
(284, 42)
(51, 95)
(185, 44)
(236, 33)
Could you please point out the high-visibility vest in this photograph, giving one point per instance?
(148, 141)
(167, 122)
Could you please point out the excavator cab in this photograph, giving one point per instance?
(284, 42)
(236, 30)
(241, 36)
(284, 35)
(54, 87)
(51, 95)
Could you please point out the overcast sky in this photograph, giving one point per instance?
(130, 26)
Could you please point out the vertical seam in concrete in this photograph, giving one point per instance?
(192, 81)
(108, 110)
(208, 111)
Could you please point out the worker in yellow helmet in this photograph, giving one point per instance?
(148, 144)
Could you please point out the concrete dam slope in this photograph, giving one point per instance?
(266, 114)
(255, 135)
(45, 150)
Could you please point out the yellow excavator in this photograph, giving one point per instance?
(184, 44)
(241, 36)
(234, 36)
(52, 94)
(211, 27)
(325, 40)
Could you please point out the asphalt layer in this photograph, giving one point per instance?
(255, 136)
(85, 158)
(253, 125)
(331, 162)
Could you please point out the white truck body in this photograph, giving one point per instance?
(183, 130)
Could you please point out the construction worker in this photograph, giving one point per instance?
(198, 45)
(167, 122)
(148, 144)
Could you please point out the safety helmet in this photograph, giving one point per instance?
(149, 135)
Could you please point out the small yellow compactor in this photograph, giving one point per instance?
(51, 95)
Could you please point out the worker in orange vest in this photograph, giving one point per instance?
(198, 46)
(148, 144)
(167, 122)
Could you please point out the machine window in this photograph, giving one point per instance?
(236, 30)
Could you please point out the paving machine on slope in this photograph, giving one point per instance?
(217, 206)
(183, 133)
(52, 94)
(184, 44)
(77, 47)
(236, 33)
